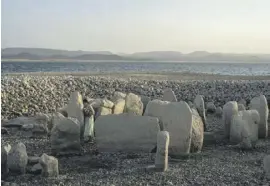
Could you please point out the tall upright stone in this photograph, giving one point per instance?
(197, 132)
(260, 104)
(229, 110)
(4, 166)
(74, 109)
(133, 104)
(161, 161)
(199, 105)
(176, 118)
(169, 95)
(119, 106)
(65, 135)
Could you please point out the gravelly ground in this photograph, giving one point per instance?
(219, 164)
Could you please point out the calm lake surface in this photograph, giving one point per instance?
(200, 67)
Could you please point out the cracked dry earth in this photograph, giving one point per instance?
(219, 164)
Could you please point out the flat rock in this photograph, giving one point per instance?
(169, 95)
(126, 132)
(33, 160)
(176, 118)
(133, 104)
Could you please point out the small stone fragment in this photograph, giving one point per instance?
(49, 166)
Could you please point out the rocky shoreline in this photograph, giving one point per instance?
(31, 94)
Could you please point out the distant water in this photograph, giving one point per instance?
(209, 68)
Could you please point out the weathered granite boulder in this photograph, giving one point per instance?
(118, 95)
(119, 106)
(199, 105)
(65, 135)
(260, 104)
(161, 160)
(17, 158)
(133, 104)
(169, 95)
(176, 118)
(126, 132)
(229, 110)
(197, 132)
(107, 103)
(49, 166)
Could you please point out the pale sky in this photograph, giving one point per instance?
(239, 26)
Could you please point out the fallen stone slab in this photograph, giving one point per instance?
(126, 132)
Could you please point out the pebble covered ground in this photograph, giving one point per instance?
(220, 164)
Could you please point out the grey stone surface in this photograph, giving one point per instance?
(176, 118)
(266, 166)
(49, 166)
(17, 158)
(65, 135)
(89, 128)
(229, 110)
(199, 105)
(260, 104)
(161, 160)
(169, 95)
(126, 132)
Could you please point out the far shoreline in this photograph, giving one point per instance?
(152, 76)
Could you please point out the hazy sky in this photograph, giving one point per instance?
(138, 25)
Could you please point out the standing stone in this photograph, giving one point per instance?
(169, 95)
(244, 128)
(266, 166)
(161, 161)
(260, 104)
(241, 107)
(199, 105)
(49, 166)
(65, 135)
(145, 101)
(229, 110)
(119, 106)
(219, 112)
(210, 107)
(17, 158)
(133, 104)
(176, 118)
(126, 132)
(75, 109)
(197, 132)
(88, 122)
(4, 166)
(118, 95)
(243, 102)
(107, 103)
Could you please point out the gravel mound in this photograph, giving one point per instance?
(27, 95)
